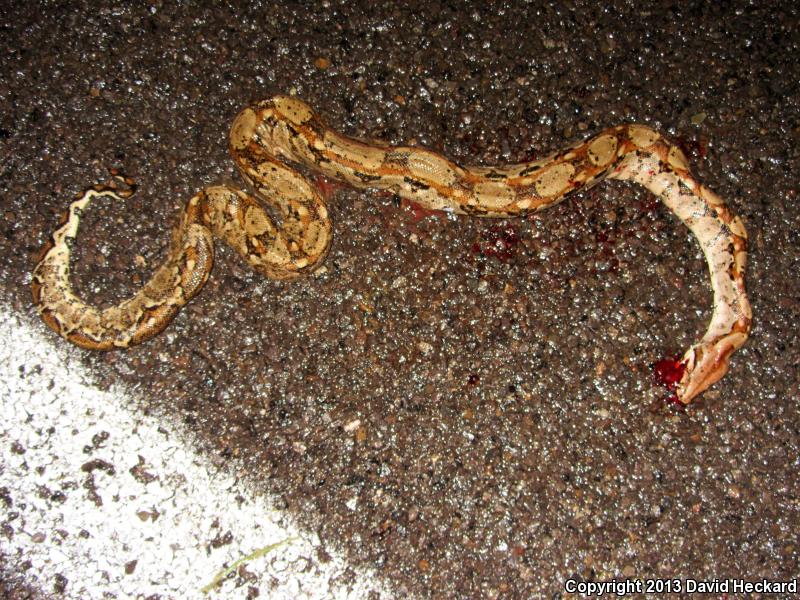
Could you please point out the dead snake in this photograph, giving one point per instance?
(268, 135)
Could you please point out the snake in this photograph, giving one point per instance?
(283, 229)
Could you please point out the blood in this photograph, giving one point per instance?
(497, 241)
(668, 372)
(418, 211)
(328, 186)
(650, 205)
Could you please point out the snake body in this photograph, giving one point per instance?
(268, 137)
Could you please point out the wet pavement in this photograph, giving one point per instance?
(464, 406)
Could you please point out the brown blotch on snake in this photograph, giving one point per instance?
(269, 136)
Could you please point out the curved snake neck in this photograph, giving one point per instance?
(269, 136)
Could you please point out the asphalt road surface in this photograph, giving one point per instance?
(451, 407)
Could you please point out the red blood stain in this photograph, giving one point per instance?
(497, 241)
(418, 211)
(668, 372)
(673, 400)
(326, 186)
(649, 205)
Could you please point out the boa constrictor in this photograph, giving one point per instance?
(270, 135)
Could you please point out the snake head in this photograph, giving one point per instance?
(705, 363)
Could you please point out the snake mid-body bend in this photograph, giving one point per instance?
(269, 136)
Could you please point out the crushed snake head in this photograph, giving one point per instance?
(269, 138)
